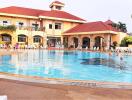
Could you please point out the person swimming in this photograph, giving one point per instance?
(121, 58)
(110, 54)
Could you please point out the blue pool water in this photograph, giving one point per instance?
(71, 65)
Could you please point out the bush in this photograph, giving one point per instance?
(9, 27)
(127, 40)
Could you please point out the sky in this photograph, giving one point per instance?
(90, 10)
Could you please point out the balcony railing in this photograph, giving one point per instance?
(29, 28)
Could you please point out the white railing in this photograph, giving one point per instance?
(123, 49)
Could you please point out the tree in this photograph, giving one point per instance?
(127, 40)
(120, 26)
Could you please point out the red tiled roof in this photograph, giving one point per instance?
(37, 13)
(60, 14)
(21, 11)
(58, 2)
(108, 22)
(91, 27)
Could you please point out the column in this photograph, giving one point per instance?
(70, 41)
(79, 41)
(107, 40)
(30, 39)
(45, 42)
(14, 39)
(62, 40)
(92, 42)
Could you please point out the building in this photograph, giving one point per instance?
(53, 27)
(93, 34)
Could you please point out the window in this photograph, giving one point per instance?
(6, 38)
(21, 38)
(5, 23)
(57, 25)
(35, 27)
(21, 24)
(50, 26)
(58, 7)
(37, 39)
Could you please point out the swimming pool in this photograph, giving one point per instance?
(69, 65)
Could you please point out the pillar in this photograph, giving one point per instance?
(70, 41)
(62, 40)
(45, 42)
(79, 41)
(30, 39)
(92, 42)
(107, 40)
(14, 40)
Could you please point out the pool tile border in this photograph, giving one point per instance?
(93, 84)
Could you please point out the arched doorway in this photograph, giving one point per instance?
(37, 39)
(6, 38)
(86, 42)
(75, 42)
(23, 39)
(98, 42)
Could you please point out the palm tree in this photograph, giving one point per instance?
(120, 26)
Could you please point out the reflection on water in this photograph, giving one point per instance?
(104, 61)
(68, 65)
(34, 62)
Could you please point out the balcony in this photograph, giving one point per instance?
(27, 30)
(30, 28)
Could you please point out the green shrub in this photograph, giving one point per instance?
(9, 28)
(127, 40)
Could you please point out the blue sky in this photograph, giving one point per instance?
(90, 10)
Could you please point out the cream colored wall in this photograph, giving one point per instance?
(28, 22)
(53, 32)
(119, 37)
(69, 25)
(13, 20)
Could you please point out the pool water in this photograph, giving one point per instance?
(71, 65)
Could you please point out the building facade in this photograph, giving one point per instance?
(36, 26)
(53, 28)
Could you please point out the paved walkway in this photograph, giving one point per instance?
(16, 90)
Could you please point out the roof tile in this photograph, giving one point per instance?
(91, 27)
(37, 13)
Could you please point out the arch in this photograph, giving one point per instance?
(75, 42)
(85, 42)
(37, 39)
(22, 38)
(98, 41)
(7, 38)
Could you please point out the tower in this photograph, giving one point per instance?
(56, 5)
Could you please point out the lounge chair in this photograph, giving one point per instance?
(94, 48)
(4, 97)
(97, 48)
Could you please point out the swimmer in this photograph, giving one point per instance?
(110, 54)
(121, 58)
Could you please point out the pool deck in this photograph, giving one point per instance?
(17, 90)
